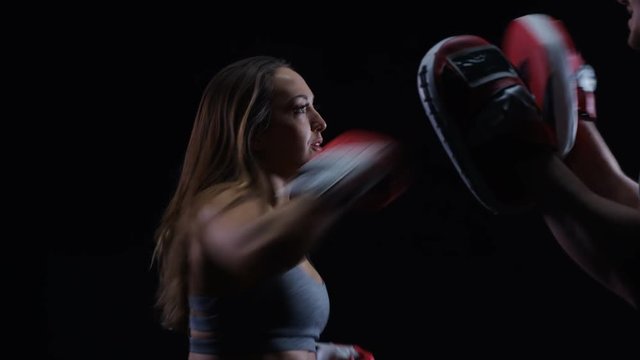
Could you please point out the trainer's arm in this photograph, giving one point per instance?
(593, 163)
(600, 234)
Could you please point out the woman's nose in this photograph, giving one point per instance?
(318, 123)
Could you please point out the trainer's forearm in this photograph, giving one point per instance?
(601, 235)
(608, 222)
(593, 163)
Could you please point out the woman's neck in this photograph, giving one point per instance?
(277, 184)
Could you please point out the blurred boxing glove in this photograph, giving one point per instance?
(484, 116)
(352, 168)
(563, 86)
(331, 351)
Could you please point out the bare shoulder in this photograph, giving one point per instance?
(214, 206)
(217, 216)
(213, 229)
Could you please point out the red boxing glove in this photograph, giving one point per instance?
(353, 168)
(331, 351)
(362, 354)
(396, 178)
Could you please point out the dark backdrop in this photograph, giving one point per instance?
(432, 276)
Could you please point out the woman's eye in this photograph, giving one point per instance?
(301, 109)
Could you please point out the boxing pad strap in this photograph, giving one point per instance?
(587, 82)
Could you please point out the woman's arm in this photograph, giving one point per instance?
(248, 241)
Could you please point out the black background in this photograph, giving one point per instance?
(431, 276)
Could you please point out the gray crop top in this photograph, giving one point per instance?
(285, 312)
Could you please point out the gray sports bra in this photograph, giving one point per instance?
(285, 312)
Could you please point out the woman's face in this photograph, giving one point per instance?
(295, 127)
(633, 7)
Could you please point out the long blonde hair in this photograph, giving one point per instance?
(235, 105)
